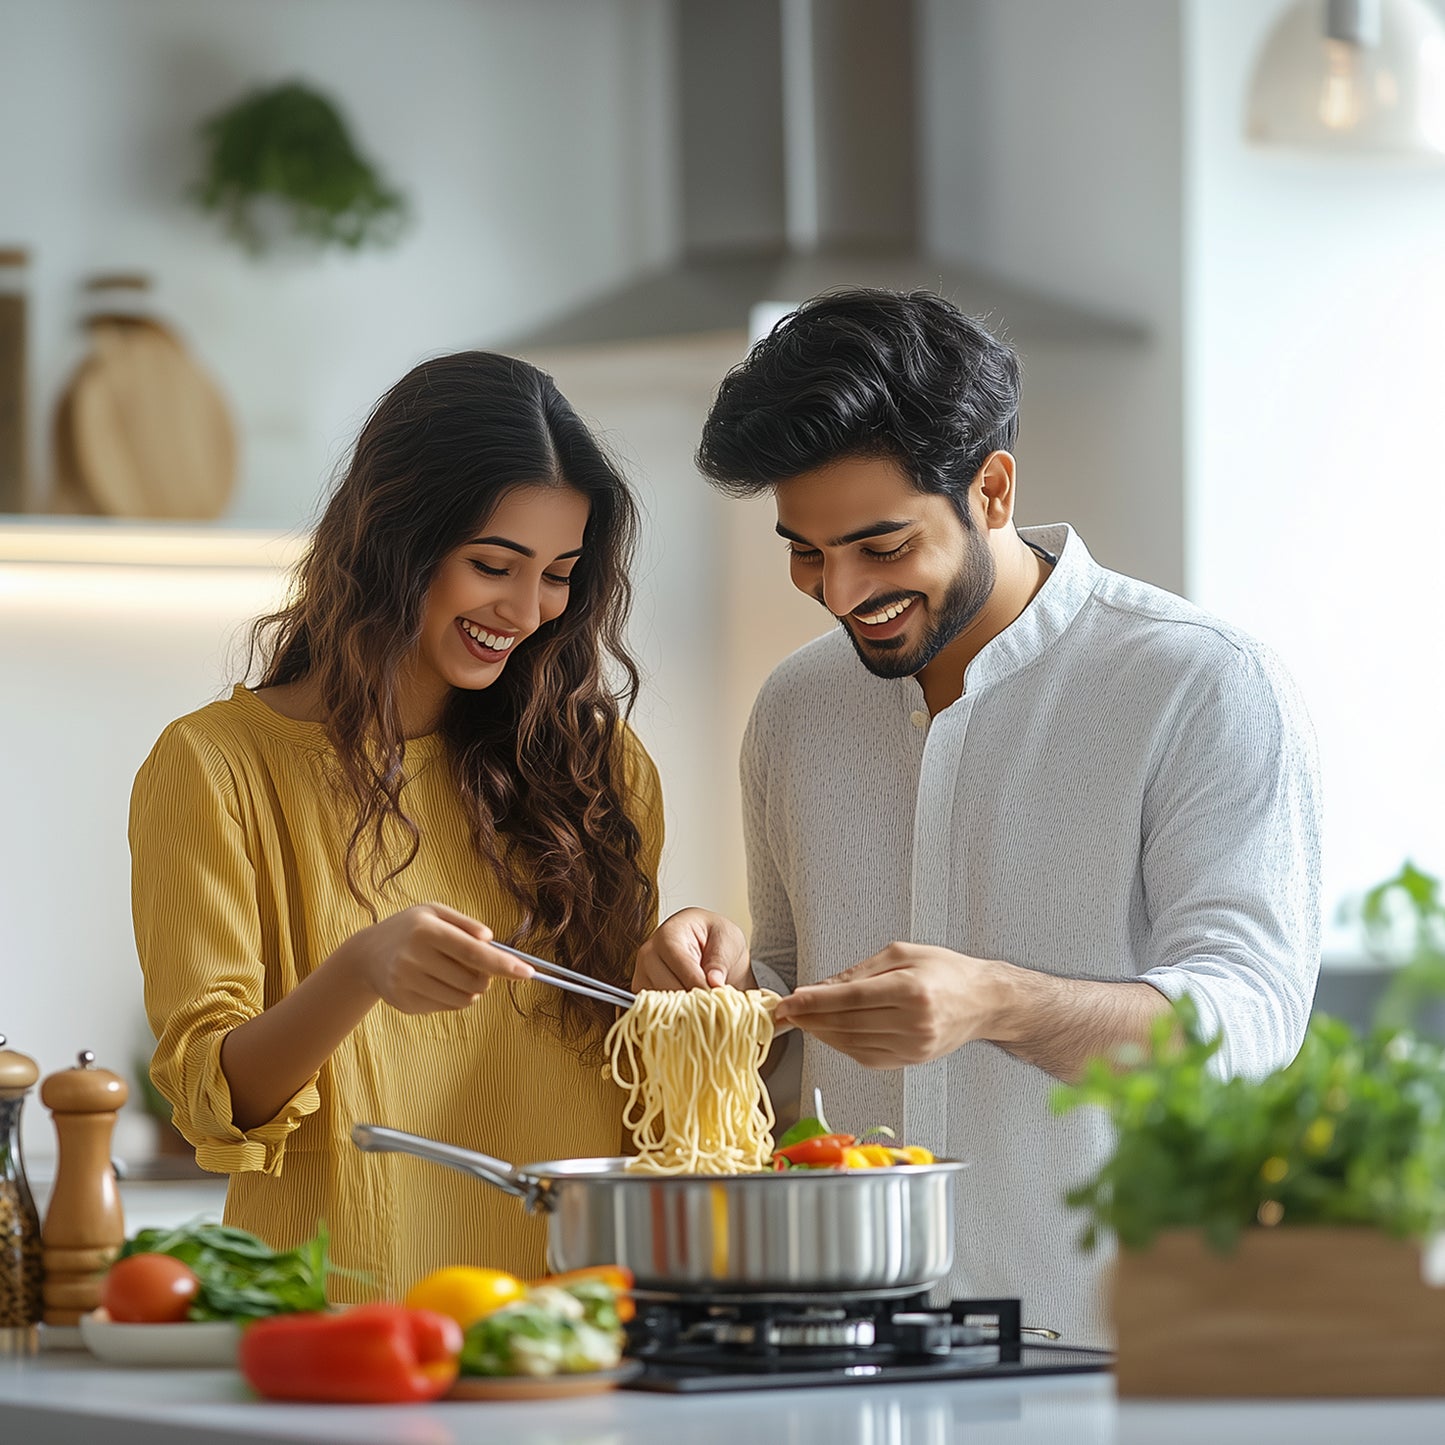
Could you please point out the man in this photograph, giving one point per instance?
(1038, 800)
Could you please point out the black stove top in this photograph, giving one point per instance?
(780, 1342)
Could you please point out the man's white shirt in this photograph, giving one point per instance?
(1128, 788)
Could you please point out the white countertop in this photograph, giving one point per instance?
(68, 1398)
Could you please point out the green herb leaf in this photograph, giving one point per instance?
(803, 1129)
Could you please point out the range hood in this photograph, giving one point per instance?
(798, 173)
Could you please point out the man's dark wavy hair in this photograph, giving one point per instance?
(865, 373)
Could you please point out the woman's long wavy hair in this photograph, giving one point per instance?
(537, 756)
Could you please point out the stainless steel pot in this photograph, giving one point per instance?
(858, 1231)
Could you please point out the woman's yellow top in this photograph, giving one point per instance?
(238, 844)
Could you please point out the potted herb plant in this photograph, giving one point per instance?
(281, 161)
(1403, 922)
(1271, 1233)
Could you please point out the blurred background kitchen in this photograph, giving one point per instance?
(1231, 350)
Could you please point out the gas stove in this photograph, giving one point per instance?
(768, 1342)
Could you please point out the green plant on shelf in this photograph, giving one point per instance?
(287, 150)
(1352, 1132)
(149, 1097)
(1403, 921)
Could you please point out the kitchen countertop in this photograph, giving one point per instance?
(68, 1398)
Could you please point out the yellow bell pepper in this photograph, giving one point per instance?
(910, 1154)
(867, 1156)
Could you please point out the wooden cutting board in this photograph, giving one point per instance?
(144, 429)
(68, 493)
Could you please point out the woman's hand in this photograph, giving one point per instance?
(429, 959)
(423, 960)
(694, 949)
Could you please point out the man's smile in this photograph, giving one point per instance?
(885, 613)
(881, 624)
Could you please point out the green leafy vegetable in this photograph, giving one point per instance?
(599, 1303)
(550, 1332)
(1351, 1132)
(241, 1276)
(803, 1129)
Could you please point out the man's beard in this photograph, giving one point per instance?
(962, 602)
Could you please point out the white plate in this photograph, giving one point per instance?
(212, 1343)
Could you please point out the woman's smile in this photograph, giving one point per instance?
(486, 645)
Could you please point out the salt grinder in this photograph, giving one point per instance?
(20, 1267)
(84, 1228)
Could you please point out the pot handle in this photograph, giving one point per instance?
(376, 1139)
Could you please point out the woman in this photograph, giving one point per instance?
(435, 753)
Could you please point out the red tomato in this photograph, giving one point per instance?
(149, 1289)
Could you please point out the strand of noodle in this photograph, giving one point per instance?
(689, 1061)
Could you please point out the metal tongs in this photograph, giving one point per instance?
(572, 982)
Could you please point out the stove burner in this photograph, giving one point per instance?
(830, 1328)
(687, 1343)
(764, 1335)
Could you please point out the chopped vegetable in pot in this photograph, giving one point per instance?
(810, 1144)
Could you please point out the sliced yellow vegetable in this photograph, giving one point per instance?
(867, 1156)
(911, 1154)
(465, 1292)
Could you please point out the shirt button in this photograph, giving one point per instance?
(919, 719)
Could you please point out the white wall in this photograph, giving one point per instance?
(532, 139)
(1316, 304)
(95, 661)
(1052, 144)
(534, 142)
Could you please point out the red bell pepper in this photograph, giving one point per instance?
(368, 1355)
(820, 1149)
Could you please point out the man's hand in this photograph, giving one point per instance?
(906, 1005)
(694, 949)
(912, 1003)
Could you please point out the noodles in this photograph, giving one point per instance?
(689, 1061)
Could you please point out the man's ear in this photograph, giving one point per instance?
(995, 483)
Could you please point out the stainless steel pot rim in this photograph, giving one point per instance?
(705, 1292)
(615, 1170)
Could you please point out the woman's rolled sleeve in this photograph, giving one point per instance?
(198, 935)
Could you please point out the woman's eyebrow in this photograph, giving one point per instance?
(875, 529)
(518, 547)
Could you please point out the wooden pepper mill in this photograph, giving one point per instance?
(84, 1227)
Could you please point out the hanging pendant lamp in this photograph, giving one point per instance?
(1359, 76)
